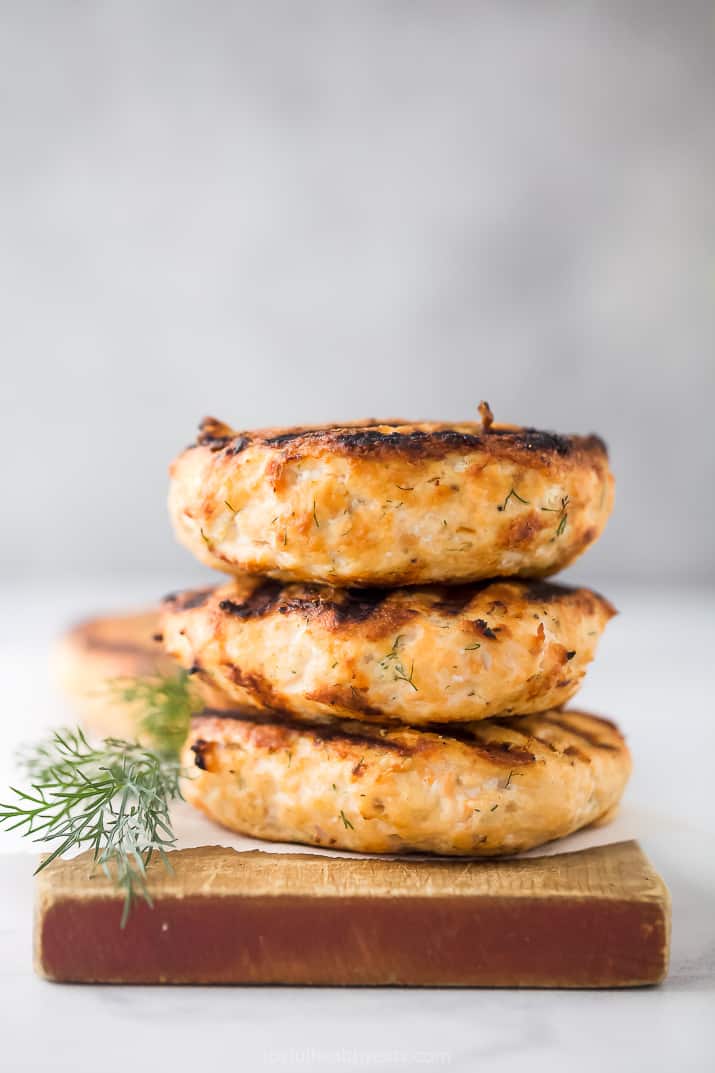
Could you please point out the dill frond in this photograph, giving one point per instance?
(113, 799)
(167, 703)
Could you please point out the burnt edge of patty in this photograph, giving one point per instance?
(367, 439)
(353, 606)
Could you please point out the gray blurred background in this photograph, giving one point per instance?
(294, 212)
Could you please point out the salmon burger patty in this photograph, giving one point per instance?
(91, 660)
(390, 503)
(485, 789)
(421, 655)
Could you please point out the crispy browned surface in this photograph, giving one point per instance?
(92, 654)
(390, 503)
(486, 788)
(414, 440)
(412, 655)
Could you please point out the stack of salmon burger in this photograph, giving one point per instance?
(385, 668)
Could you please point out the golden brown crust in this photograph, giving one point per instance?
(93, 653)
(417, 655)
(390, 503)
(485, 789)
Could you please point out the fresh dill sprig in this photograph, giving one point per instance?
(167, 703)
(113, 798)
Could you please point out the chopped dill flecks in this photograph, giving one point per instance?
(563, 515)
(234, 510)
(393, 658)
(401, 676)
(346, 821)
(470, 648)
(513, 494)
(315, 517)
(493, 808)
(392, 654)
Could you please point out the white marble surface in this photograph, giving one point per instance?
(654, 674)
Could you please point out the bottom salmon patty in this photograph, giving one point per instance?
(486, 788)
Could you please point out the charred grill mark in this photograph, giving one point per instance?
(504, 753)
(237, 444)
(579, 754)
(254, 684)
(545, 741)
(345, 697)
(200, 748)
(416, 443)
(546, 591)
(358, 605)
(532, 439)
(294, 434)
(347, 607)
(579, 732)
(215, 443)
(452, 600)
(187, 601)
(261, 601)
(317, 731)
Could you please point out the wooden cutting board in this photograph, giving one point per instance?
(598, 918)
